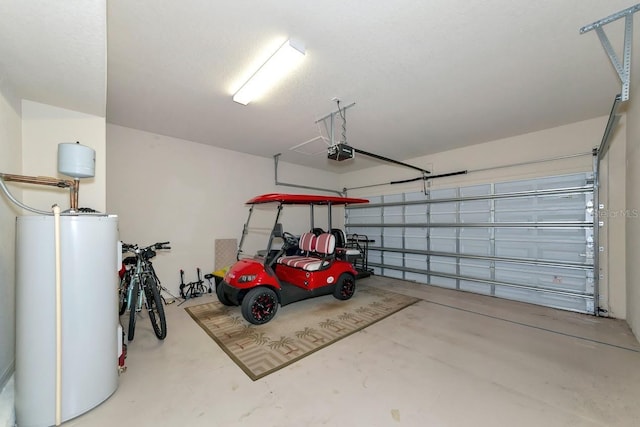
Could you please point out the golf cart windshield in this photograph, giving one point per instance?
(267, 220)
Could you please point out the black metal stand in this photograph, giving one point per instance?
(192, 289)
(360, 263)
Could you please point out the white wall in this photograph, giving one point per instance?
(633, 195)
(165, 188)
(10, 161)
(566, 140)
(43, 128)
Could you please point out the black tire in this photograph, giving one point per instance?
(155, 308)
(259, 305)
(346, 287)
(221, 296)
(122, 293)
(132, 309)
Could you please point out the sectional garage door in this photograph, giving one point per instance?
(529, 240)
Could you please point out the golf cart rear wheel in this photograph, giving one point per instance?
(345, 288)
(259, 305)
(221, 296)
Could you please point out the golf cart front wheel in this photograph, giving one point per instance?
(345, 288)
(259, 305)
(221, 295)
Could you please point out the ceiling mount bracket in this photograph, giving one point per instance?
(623, 69)
(329, 127)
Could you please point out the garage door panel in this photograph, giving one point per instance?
(416, 277)
(475, 211)
(443, 282)
(545, 183)
(564, 302)
(529, 240)
(475, 247)
(417, 239)
(560, 252)
(543, 277)
(393, 238)
(375, 257)
(476, 241)
(418, 262)
(475, 268)
(415, 214)
(394, 259)
(475, 232)
(475, 217)
(444, 213)
(393, 215)
(541, 235)
(390, 272)
(443, 193)
(475, 287)
(443, 244)
(475, 190)
(443, 265)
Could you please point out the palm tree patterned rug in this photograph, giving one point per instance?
(297, 330)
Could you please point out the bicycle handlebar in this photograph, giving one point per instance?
(162, 245)
(128, 247)
(133, 247)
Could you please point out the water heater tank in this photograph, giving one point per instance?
(76, 161)
(89, 324)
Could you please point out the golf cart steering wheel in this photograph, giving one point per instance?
(290, 241)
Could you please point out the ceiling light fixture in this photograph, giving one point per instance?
(285, 59)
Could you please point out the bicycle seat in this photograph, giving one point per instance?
(208, 276)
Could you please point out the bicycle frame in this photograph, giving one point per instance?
(143, 268)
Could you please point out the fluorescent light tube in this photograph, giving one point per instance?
(285, 59)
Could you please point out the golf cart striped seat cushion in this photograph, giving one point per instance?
(307, 242)
(324, 246)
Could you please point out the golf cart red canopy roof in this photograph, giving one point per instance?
(304, 199)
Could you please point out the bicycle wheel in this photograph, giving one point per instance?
(122, 293)
(132, 309)
(155, 307)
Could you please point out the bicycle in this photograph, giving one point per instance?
(140, 286)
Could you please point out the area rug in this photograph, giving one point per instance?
(297, 330)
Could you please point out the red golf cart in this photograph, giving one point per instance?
(290, 268)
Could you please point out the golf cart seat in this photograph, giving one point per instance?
(319, 252)
(343, 250)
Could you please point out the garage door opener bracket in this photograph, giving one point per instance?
(623, 69)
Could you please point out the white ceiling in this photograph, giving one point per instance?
(426, 76)
(55, 53)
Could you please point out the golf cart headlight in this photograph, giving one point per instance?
(246, 278)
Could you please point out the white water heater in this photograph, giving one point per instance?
(89, 350)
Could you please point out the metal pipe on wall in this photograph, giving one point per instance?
(275, 159)
(72, 184)
(58, 315)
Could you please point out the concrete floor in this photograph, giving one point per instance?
(452, 359)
